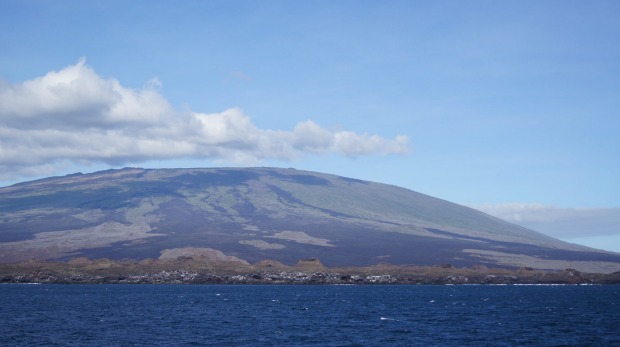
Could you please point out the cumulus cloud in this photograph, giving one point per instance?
(74, 115)
(564, 223)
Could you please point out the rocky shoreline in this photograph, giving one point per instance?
(305, 272)
(303, 278)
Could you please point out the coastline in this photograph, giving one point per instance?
(305, 272)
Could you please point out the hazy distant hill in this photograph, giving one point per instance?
(264, 213)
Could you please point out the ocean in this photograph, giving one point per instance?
(321, 315)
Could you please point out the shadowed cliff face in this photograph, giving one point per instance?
(264, 213)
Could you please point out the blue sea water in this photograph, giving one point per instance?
(283, 315)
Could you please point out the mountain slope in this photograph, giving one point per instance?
(264, 213)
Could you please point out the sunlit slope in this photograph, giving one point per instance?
(262, 213)
(390, 204)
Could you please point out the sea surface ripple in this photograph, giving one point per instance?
(322, 315)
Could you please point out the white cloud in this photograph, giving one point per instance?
(74, 115)
(76, 97)
(311, 137)
(564, 223)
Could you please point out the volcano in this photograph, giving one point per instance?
(254, 214)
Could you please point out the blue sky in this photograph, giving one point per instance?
(510, 107)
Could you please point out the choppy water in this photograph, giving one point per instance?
(226, 315)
